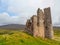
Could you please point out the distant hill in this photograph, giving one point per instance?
(13, 27)
(56, 27)
(19, 27)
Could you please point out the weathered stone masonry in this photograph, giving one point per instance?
(40, 25)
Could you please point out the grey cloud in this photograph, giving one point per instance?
(6, 19)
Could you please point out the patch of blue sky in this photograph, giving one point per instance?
(3, 7)
(12, 14)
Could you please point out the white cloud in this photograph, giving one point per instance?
(26, 8)
(11, 9)
(6, 19)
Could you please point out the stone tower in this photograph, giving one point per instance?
(34, 26)
(48, 23)
(40, 25)
(40, 22)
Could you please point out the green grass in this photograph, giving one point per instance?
(8, 37)
(57, 34)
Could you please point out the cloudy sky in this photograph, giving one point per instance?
(18, 11)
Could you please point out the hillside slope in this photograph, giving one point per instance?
(21, 38)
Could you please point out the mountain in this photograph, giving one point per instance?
(13, 27)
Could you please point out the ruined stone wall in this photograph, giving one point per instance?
(48, 23)
(29, 27)
(41, 25)
(40, 22)
(35, 28)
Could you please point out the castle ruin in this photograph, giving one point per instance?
(40, 25)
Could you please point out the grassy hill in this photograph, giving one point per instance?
(8, 37)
